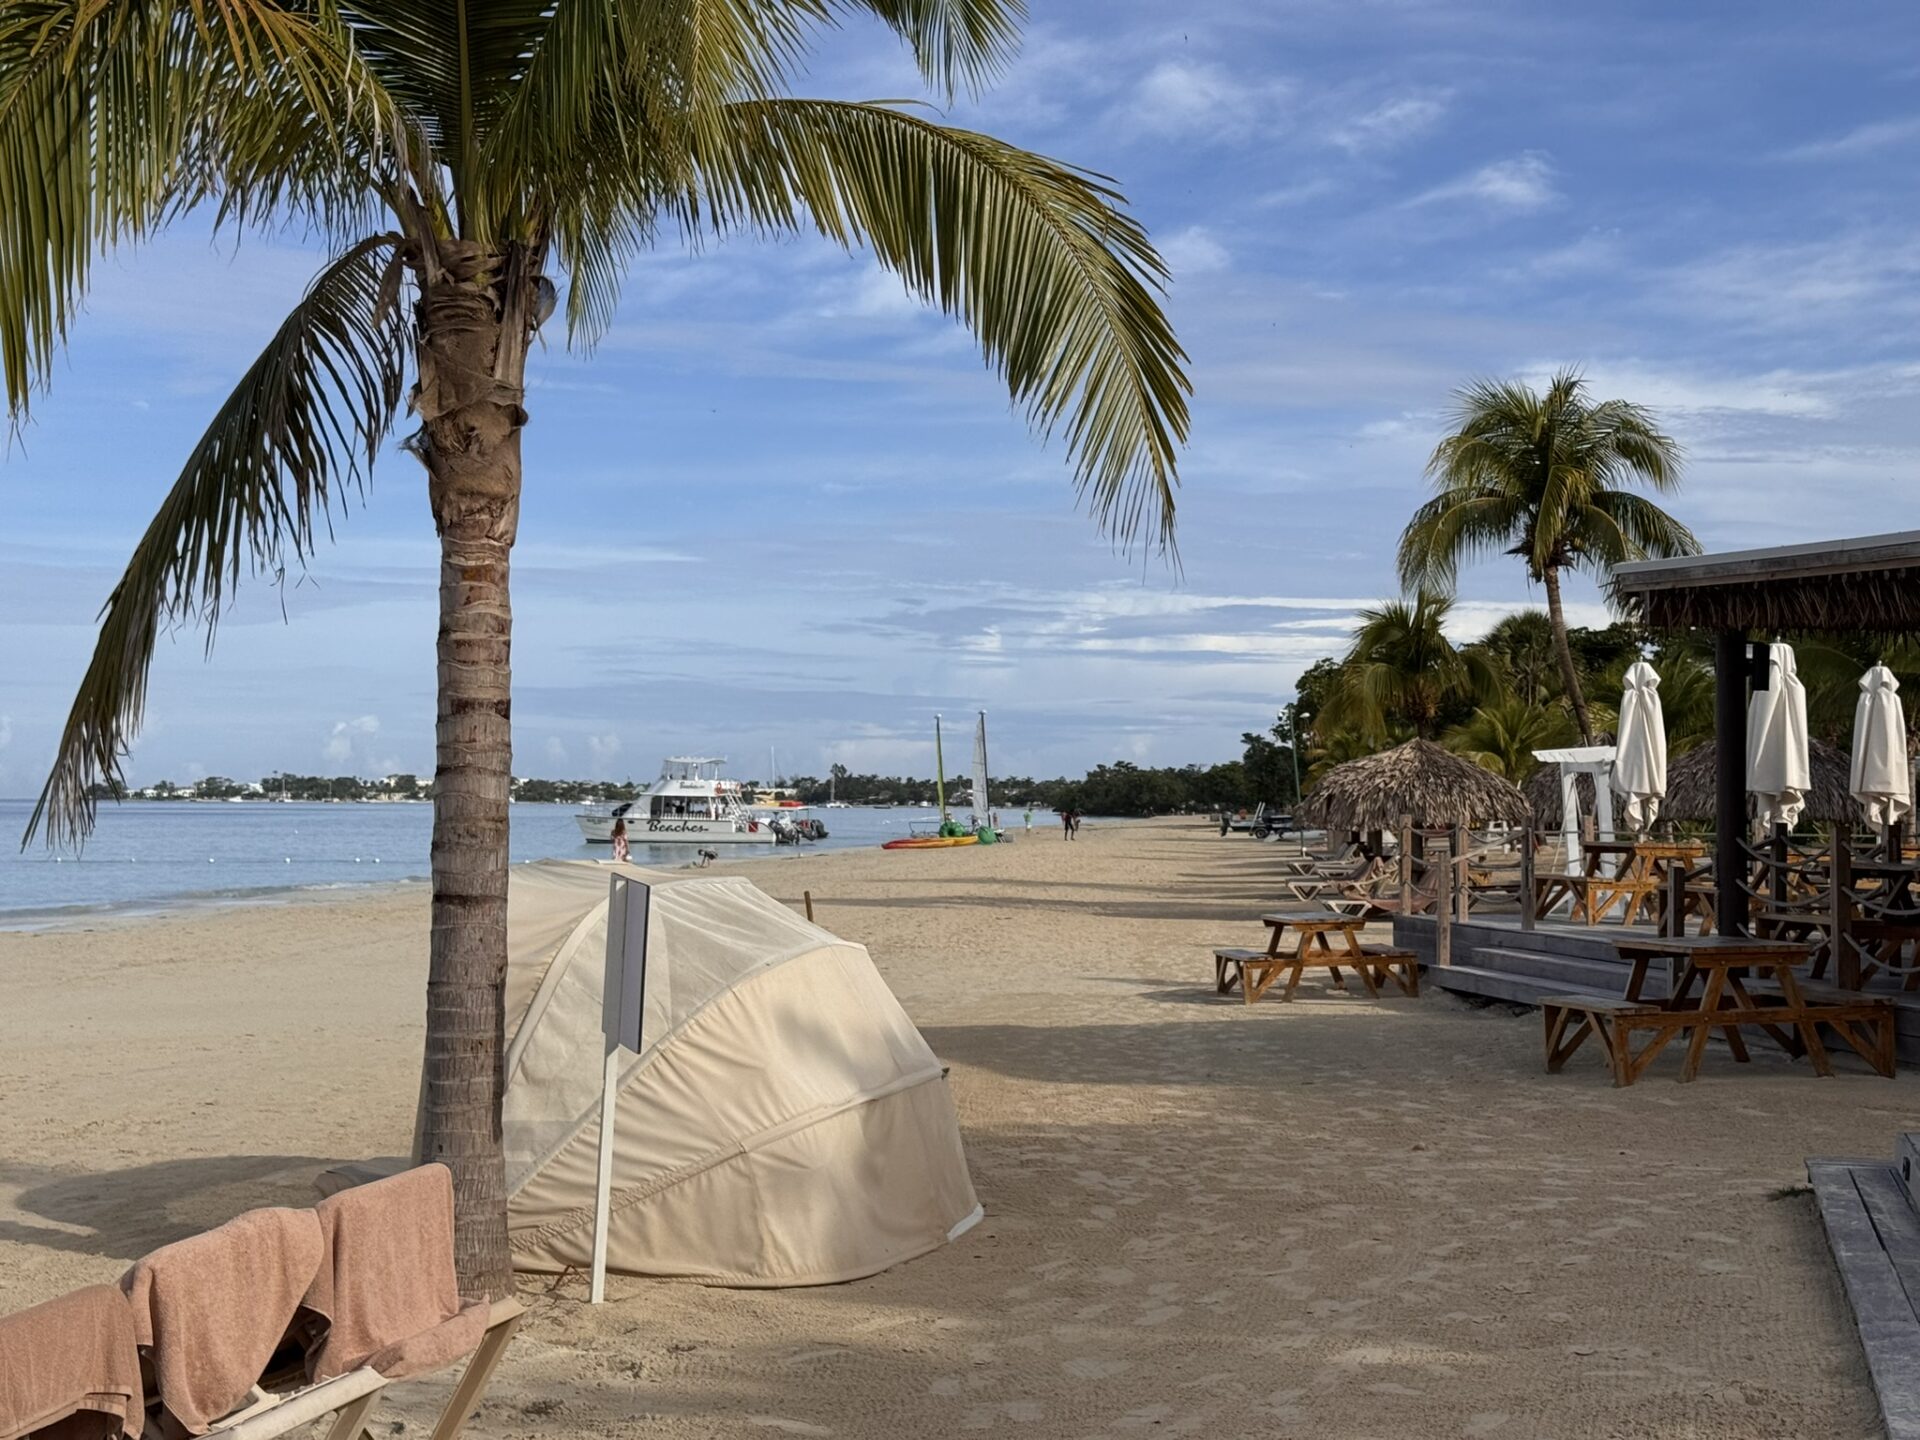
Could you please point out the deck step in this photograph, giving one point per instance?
(1874, 1234)
(1608, 975)
(1504, 985)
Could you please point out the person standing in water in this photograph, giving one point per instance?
(620, 851)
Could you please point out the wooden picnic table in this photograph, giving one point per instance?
(1629, 873)
(1715, 992)
(1254, 971)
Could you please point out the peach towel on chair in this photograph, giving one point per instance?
(73, 1360)
(387, 1284)
(213, 1308)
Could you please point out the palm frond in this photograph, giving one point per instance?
(301, 428)
(115, 118)
(957, 43)
(1037, 259)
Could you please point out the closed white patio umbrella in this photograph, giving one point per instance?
(1880, 778)
(1779, 771)
(1640, 766)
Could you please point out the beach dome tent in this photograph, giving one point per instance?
(785, 1124)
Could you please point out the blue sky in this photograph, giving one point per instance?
(783, 506)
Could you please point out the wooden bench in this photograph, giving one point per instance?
(1570, 1019)
(1864, 1023)
(1255, 971)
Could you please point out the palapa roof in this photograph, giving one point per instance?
(1543, 792)
(1690, 785)
(1871, 585)
(1435, 786)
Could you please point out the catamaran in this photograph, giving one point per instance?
(690, 804)
(948, 831)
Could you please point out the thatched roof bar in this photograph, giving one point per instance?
(1434, 786)
(1871, 584)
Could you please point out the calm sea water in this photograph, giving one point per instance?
(170, 854)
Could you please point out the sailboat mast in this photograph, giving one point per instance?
(939, 769)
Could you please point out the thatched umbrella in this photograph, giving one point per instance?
(1690, 786)
(1435, 786)
(1543, 790)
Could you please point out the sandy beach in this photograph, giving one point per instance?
(1328, 1218)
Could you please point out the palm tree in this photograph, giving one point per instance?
(1502, 736)
(1540, 476)
(1403, 669)
(455, 158)
(1522, 644)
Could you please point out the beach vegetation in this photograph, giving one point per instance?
(1544, 475)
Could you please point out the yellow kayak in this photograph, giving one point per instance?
(930, 842)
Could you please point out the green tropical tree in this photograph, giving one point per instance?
(1522, 645)
(458, 160)
(1543, 476)
(1503, 735)
(1403, 670)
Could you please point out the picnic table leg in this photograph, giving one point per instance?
(1697, 1041)
(1298, 965)
(1324, 946)
(1809, 1027)
(1361, 965)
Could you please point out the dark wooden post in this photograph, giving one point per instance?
(1730, 780)
(1527, 839)
(807, 895)
(1846, 959)
(1674, 922)
(1442, 914)
(1777, 865)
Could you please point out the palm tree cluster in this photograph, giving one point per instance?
(1541, 476)
(461, 162)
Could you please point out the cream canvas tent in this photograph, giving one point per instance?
(785, 1123)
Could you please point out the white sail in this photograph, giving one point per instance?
(981, 806)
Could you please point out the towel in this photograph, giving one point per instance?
(71, 1359)
(387, 1285)
(212, 1309)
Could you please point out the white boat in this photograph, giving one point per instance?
(690, 804)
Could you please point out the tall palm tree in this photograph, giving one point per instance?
(457, 157)
(1403, 670)
(1541, 476)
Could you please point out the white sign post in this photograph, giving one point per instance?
(622, 1005)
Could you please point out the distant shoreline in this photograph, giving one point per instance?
(69, 919)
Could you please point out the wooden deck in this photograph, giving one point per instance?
(1873, 1231)
(1495, 959)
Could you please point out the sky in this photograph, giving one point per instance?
(782, 507)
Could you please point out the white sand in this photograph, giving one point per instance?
(1325, 1218)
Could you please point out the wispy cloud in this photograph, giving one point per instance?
(1519, 185)
(1861, 140)
(1197, 100)
(1390, 124)
(1194, 251)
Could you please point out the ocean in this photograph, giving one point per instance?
(152, 856)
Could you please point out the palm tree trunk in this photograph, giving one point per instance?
(472, 357)
(1569, 676)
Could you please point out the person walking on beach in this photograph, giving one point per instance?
(1066, 824)
(1029, 819)
(620, 851)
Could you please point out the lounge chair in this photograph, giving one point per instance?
(282, 1317)
(69, 1369)
(1361, 872)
